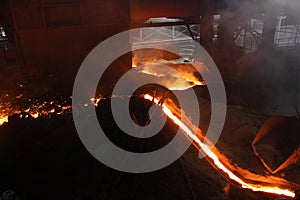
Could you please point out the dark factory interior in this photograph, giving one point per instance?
(220, 77)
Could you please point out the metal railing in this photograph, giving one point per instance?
(287, 36)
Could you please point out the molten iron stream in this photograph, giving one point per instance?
(216, 161)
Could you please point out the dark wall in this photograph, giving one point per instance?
(5, 16)
(36, 14)
(60, 33)
(66, 46)
(144, 9)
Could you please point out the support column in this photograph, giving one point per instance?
(206, 23)
(269, 29)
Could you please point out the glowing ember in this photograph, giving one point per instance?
(36, 110)
(95, 101)
(39, 109)
(216, 161)
(35, 115)
(3, 119)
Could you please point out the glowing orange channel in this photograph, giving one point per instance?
(216, 161)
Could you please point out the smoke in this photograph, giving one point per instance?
(267, 79)
(291, 6)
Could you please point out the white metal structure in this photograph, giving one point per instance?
(179, 37)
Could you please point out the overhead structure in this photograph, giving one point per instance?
(42, 34)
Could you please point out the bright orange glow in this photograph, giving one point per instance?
(185, 78)
(40, 109)
(66, 107)
(34, 111)
(216, 160)
(181, 80)
(95, 101)
(35, 115)
(3, 119)
(184, 87)
(134, 63)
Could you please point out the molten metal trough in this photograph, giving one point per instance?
(237, 175)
